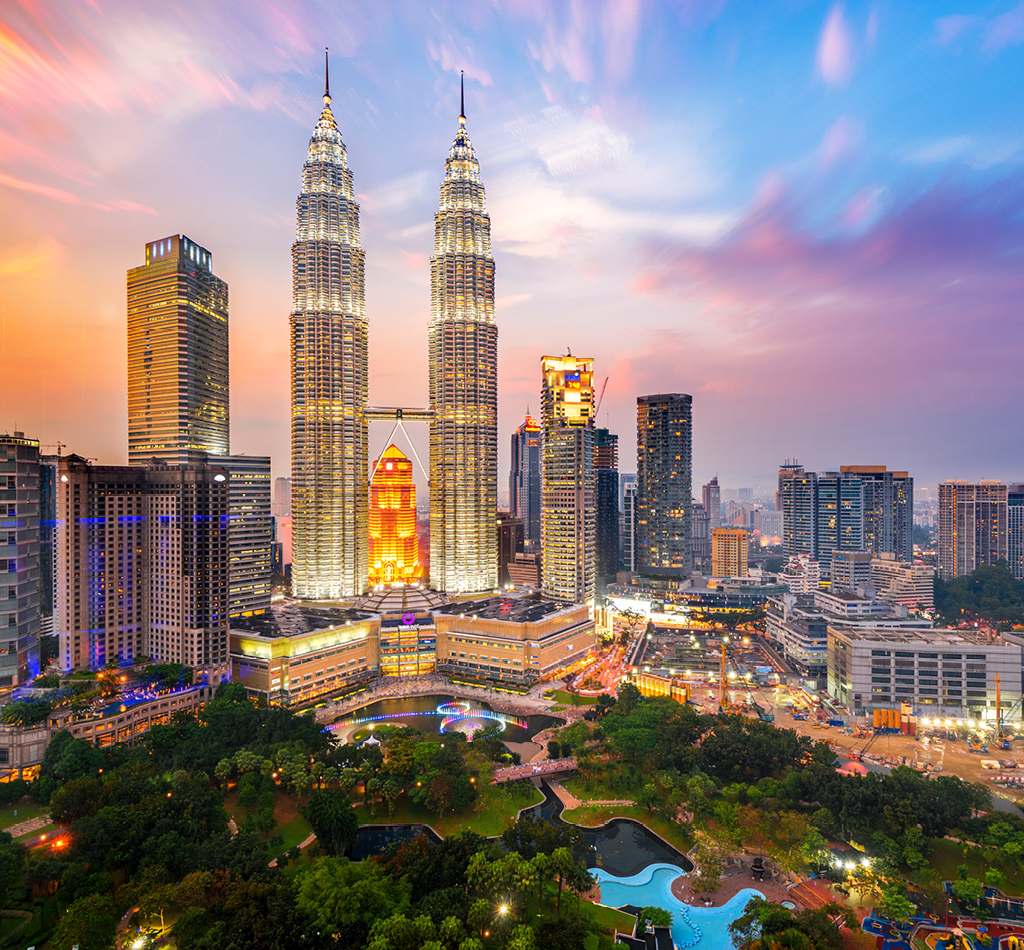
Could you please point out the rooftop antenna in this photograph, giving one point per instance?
(462, 97)
(327, 78)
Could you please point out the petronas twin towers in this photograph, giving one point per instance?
(330, 391)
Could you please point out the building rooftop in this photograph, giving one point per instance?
(402, 598)
(511, 609)
(903, 635)
(289, 618)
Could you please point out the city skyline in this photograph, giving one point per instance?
(879, 218)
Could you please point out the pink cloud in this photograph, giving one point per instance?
(45, 190)
(835, 49)
(125, 205)
(841, 140)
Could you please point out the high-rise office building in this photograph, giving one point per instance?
(850, 569)
(250, 533)
(568, 520)
(711, 498)
(664, 434)
(629, 562)
(463, 342)
(394, 555)
(19, 560)
(177, 355)
(729, 552)
(1015, 530)
(972, 526)
(329, 349)
(786, 469)
(606, 502)
(142, 565)
(524, 479)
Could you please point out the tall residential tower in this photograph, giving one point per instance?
(463, 382)
(329, 344)
(664, 434)
(569, 515)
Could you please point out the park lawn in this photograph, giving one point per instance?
(609, 917)
(591, 816)
(488, 818)
(25, 812)
(947, 856)
(567, 699)
(294, 833)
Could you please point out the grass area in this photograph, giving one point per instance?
(590, 816)
(609, 917)
(947, 856)
(488, 817)
(25, 812)
(294, 833)
(567, 699)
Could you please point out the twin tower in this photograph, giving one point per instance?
(330, 391)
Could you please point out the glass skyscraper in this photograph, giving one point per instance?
(329, 344)
(177, 355)
(463, 340)
(664, 439)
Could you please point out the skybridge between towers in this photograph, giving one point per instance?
(399, 415)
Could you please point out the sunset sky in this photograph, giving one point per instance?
(810, 216)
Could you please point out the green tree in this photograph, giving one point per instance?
(345, 899)
(895, 903)
(88, 924)
(658, 916)
(333, 820)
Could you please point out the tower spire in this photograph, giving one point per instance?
(462, 97)
(327, 79)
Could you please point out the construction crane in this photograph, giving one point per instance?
(600, 399)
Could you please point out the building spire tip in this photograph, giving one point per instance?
(462, 97)
(327, 78)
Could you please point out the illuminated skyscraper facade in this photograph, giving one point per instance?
(177, 355)
(329, 344)
(664, 437)
(606, 502)
(524, 481)
(568, 504)
(393, 538)
(463, 340)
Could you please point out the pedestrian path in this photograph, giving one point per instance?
(25, 827)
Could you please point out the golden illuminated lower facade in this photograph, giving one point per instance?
(329, 347)
(463, 341)
(568, 504)
(394, 558)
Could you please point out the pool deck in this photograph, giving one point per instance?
(729, 888)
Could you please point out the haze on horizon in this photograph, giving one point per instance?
(808, 216)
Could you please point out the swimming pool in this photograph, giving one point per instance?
(704, 928)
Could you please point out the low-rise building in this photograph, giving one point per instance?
(901, 582)
(510, 640)
(298, 654)
(799, 623)
(948, 673)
